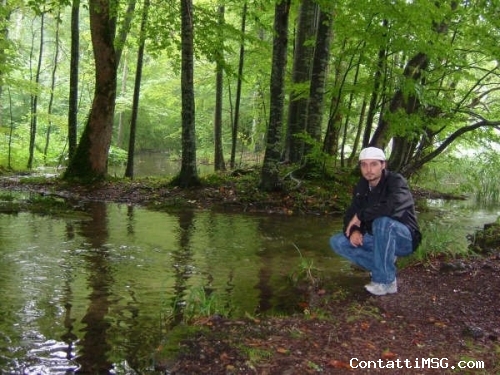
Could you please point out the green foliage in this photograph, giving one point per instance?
(117, 156)
(316, 159)
(197, 305)
(359, 311)
(305, 272)
(439, 239)
(475, 175)
(256, 355)
(458, 88)
(169, 348)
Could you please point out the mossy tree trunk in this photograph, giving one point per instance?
(91, 156)
(188, 175)
(270, 173)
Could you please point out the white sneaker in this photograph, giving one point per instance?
(380, 289)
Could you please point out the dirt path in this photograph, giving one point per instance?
(444, 313)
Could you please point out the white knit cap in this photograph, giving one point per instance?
(372, 153)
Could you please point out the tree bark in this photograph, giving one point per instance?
(301, 77)
(234, 132)
(73, 79)
(34, 97)
(52, 88)
(129, 171)
(400, 100)
(91, 156)
(124, 30)
(377, 84)
(332, 133)
(188, 175)
(219, 164)
(270, 174)
(317, 91)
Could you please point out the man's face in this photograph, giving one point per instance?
(372, 170)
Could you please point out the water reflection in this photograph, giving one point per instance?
(98, 294)
(94, 346)
(182, 264)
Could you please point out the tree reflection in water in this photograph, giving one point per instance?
(94, 347)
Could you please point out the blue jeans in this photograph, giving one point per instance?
(377, 254)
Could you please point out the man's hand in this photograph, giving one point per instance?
(356, 238)
(354, 222)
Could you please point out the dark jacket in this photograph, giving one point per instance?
(391, 197)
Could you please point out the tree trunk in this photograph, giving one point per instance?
(301, 76)
(219, 164)
(318, 76)
(188, 175)
(377, 83)
(122, 92)
(34, 97)
(332, 134)
(129, 171)
(52, 88)
(269, 175)
(73, 79)
(347, 129)
(407, 102)
(124, 30)
(4, 36)
(91, 156)
(401, 101)
(317, 90)
(234, 133)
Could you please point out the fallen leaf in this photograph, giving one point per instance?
(440, 324)
(388, 355)
(224, 357)
(339, 364)
(365, 325)
(370, 345)
(283, 351)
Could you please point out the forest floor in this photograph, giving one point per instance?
(446, 310)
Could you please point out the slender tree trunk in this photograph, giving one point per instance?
(234, 134)
(413, 71)
(355, 144)
(347, 129)
(188, 175)
(122, 34)
(123, 91)
(119, 42)
(91, 156)
(317, 88)
(11, 131)
(73, 78)
(52, 87)
(270, 174)
(218, 152)
(301, 76)
(34, 97)
(4, 35)
(377, 83)
(404, 145)
(332, 134)
(129, 172)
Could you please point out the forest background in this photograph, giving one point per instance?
(306, 84)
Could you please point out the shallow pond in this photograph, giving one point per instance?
(94, 292)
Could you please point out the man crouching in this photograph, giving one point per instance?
(380, 224)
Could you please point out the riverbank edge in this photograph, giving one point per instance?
(269, 345)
